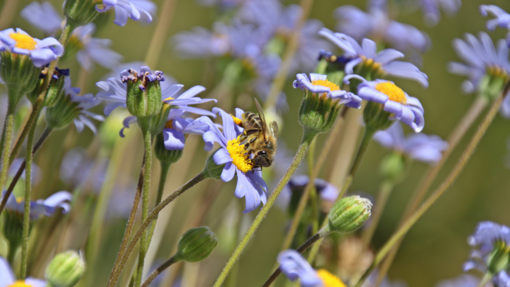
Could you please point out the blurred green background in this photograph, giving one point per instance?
(434, 249)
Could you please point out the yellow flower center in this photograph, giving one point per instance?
(497, 72)
(393, 92)
(169, 124)
(329, 279)
(239, 156)
(237, 121)
(326, 83)
(168, 99)
(23, 41)
(19, 283)
(19, 199)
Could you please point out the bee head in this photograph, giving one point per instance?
(261, 159)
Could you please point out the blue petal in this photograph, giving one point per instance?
(173, 140)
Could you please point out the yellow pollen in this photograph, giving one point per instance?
(19, 283)
(393, 92)
(19, 199)
(326, 83)
(329, 280)
(169, 124)
(168, 99)
(237, 121)
(23, 41)
(239, 156)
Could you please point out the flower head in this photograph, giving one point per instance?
(484, 64)
(294, 266)
(431, 9)
(379, 63)
(43, 17)
(41, 52)
(326, 190)
(38, 208)
(394, 101)
(7, 278)
(422, 147)
(202, 43)
(502, 18)
(236, 161)
(134, 9)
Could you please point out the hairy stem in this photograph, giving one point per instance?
(428, 178)
(301, 152)
(32, 119)
(158, 271)
(8, 131)
(165, 166)
(448, 182)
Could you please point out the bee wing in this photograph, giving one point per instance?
(262, 118)
(273, 128)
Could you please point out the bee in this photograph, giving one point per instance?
(258, 138)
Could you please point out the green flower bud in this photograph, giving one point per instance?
(317, 113)
(56, 87)
(376, 117)
(196, 245)
(63, 113)
(65, 270)
(81, 12)
(143, 97)
(19, 74)
(499, 258)
(164, 155)
(212, 170)
(349, 214)
(393, 166)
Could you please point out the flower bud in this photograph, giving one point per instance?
(393, 166)
(212, 170)
(196, 244)
(56, 87)
(164, 155)
(375, 117)
(65, 270)
(80, 12)
(499, 258)
(349, 214)
(143, 97)
(19, 74)
(63, 113)
(318, 112)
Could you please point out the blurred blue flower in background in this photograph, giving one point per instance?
(422, 147)
(85, 102)
(502, 18)
(431, 9)
(202, 43)
(7, 277)
(464, 280)
(38, 208)
(43, 17)
(294, 266)
(134, 9)
(78, 168)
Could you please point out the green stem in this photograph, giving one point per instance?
(448, 182)
(18, 174)
(380, 203)
(319, 235)
(145, 205)
(129, 227)
(301, 152)
(32, 119)
(158, 271)
(428, 178)
(311, 183)
(147, 222)
(165, 166)
(486, 278)
(12, 252)
(26, 212)
(8, 131)
(159, 36)
(313, 191)
(365, 142)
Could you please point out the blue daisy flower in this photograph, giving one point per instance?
(502, 18)
(7, 277)
(38, 208)
(134, 9)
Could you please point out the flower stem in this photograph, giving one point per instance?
(457, 134)
(288, 56)
(319, 235)
(301, 152)
(380, 203)
(26, 212)
(129, 227)
(468, 152)
(158, 271)
(147, 222)
(311, 183)
(18, 174)
(8, 131)
(145, 204)
(365, 142)
(486, 278)
(165, 166)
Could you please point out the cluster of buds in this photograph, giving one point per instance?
(143, 91)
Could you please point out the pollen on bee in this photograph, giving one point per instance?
(237, 121)
(239, 156)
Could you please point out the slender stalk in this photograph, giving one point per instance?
(32, 119)
(448, 182)
(165, 166)
(322, 233)
(26, 212)
(8, 131)
(301, 152)
(147, 222)
(380, 203)
(313, 192)
(18, 174)
(365, 142)
(428, 178)
(145, 205)
(288, 56)
(129, 227)
(486, 278)
(158, 271)
(159, 37)
(12, 253)
(311, 183)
